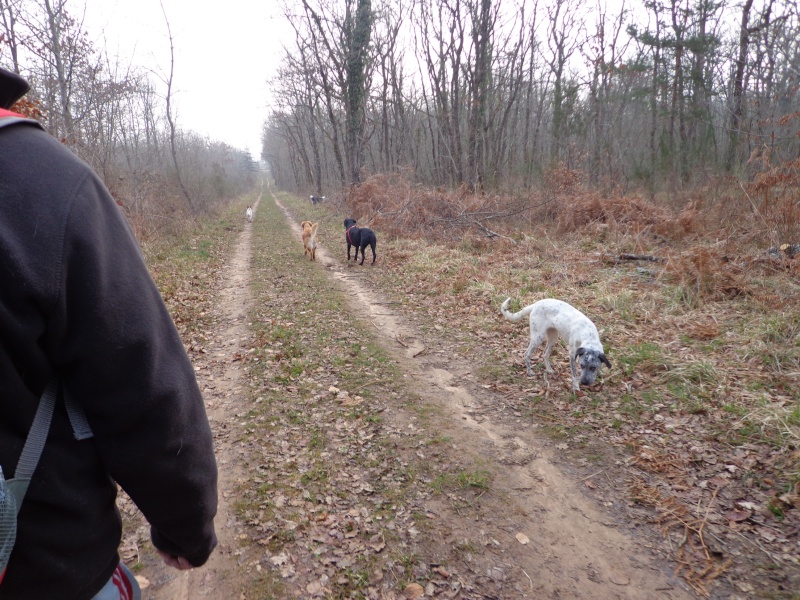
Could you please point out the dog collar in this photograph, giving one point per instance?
(347, 233)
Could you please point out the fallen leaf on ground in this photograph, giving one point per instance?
(738, 515)
(279, 559)
(441, 571)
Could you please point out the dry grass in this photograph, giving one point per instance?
(704, 338)
(698, 565)
(724, 213)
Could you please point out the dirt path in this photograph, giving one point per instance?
(545, 538)
(569, 547)
(221, 379)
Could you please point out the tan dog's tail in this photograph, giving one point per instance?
(517, 315)
(314, 227)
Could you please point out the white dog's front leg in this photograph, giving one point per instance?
(575, 379)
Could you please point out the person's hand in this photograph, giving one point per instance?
(176, 562)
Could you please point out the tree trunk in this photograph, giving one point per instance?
(481, 40)
(55, 14)
(170, 120)
(357, 49)
(8, 21)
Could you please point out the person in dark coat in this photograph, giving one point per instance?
(78, 307)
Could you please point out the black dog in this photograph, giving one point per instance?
(316, 199)
(359, 237)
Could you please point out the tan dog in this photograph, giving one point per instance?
(310, 238)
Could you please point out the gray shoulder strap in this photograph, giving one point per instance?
(77, 418)
(38, 434)
(34, 444)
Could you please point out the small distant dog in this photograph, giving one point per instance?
(249, 214)
(316, 199)
(310, 238)
(551, 318)
(359, 237)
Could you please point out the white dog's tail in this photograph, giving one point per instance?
(517, 316)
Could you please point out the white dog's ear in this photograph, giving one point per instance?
(579, 352)
(604, 360)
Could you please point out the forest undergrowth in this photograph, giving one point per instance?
(699, 416)
(696, 302)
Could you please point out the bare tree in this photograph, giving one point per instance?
(357, 31)
(563, 40)
(65, 66)
(603, 53)
(170, 119)
(56, 16)
(330, 67)
(9, 10)
(483, 20)
(343, 42)
(442, 37)
(746, 31)
(503, 91)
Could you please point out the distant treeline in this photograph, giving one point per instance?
(113, 116)
(489, 94)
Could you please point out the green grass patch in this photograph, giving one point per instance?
(644, 358)
(476, 478)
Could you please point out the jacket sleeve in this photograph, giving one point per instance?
(121, 358)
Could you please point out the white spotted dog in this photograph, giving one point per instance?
(550, 318)
(249, 214)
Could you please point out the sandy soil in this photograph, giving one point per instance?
(538, 520)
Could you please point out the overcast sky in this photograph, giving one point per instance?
(224, 53)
